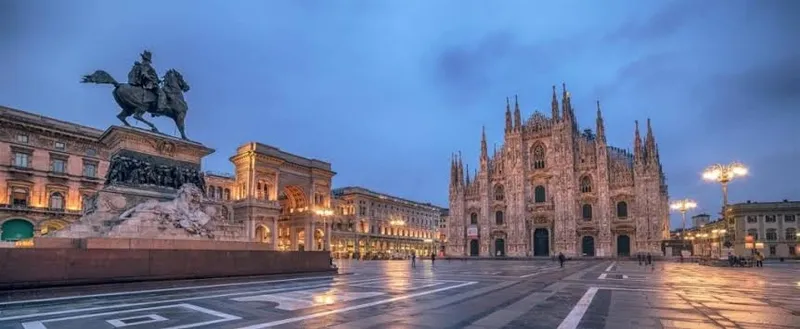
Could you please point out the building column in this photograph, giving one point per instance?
(292, 238)
(274, 233)
(327, 246)
(309, 244)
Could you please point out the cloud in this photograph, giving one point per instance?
(663, 23)
(468, 67)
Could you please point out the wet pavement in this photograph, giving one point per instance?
(451, 294)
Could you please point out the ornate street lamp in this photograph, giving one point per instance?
(683, 206)
(724, 174)
(324, 213)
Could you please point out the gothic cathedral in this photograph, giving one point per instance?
(553, 189)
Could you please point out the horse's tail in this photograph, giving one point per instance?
(100, 77)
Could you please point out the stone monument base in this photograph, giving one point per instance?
(154, 190)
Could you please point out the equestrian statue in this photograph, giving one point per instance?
(145, 93)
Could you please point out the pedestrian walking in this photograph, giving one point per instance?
(561, 259)
(433, 258)
(413, 260)
(649, 259)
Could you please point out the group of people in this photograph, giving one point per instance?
(414, 259)
(758, 260)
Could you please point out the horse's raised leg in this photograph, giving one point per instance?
(138, 116)
(180, 125)
(121, 116)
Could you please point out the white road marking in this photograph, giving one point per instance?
(98, 308)
(223, 316)
(574, 317)
(608, 269)
(602, 276)
(125, 322)
(352, 308)
(297, 300)
(136, 292)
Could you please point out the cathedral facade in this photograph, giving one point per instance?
(552, 189)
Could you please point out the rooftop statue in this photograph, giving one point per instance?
(146, 93)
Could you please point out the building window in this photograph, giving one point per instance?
(498, 218)
(788, 218)
(538, 157)
(60, 146)
(772, 234)
(473, 219)
(90, 169)
(772, 250)
(498, 193)
(752, 219)
(587, 212)
(226, 195)
(58, 165)
(791, 234)
(19, 197)
(362, 210)
(539, 194)
(753, 232)
(586, 184)
(622, 209)
(22, 160)
(86, 202)
(57, 201)
(22, 139)
(793, 251)
(769, 219)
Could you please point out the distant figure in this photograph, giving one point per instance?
(433, 258)
(639, 258)
(413, 260)
(649, 259)
(759, 259)
(561, 259)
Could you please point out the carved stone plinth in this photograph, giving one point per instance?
(154, 189)
(147, 160)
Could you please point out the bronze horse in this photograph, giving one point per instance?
(136, 101)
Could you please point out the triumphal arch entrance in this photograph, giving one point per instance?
(285, 198)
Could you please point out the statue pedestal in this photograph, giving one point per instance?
(144, 144)
(154, 189)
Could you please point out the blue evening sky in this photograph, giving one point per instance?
(386, 89)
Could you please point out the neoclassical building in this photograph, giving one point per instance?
(552, 188)
(371, 224)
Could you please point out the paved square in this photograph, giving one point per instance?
(449, 294)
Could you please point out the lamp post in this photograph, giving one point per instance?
(396, 223)
(724, 174)
(683, 206)
(324, 213)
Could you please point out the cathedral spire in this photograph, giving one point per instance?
(637, 144)
(460, 170)
(601, 128)
(508, 116)
(650, 142)
(554, 106)
(484, 150)
(517, 115)
(564, 102)
(467, 179)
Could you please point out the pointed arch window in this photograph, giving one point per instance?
(539, 195)
(586, 184)
(587, 212)
(538, 157)
(622, 209)
(499, 193)
(498, 218)
(473, 219)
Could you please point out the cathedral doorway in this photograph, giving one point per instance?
(500, 247)
(623, 246)
(473, 247)
(587, 246)
(541, 242)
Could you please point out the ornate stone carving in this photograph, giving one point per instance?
(185, 211)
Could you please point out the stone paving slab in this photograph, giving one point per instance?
(473, 295)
